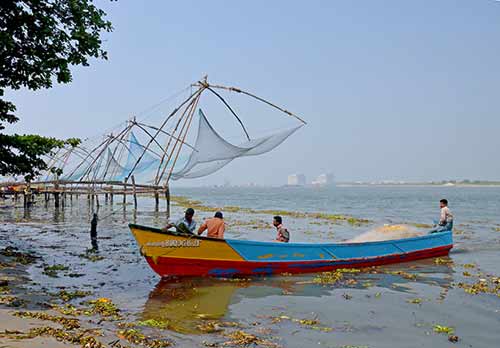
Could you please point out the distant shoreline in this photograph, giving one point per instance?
(417, 185)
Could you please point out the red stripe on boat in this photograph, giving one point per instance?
(166, 266)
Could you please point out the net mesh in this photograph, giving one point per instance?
(214, 152)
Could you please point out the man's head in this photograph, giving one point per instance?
(218, 214)
(443, 203)
(277, 220)
(189, 214)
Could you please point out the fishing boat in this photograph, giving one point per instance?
(173, 254)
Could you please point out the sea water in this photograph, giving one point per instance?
(394, 306)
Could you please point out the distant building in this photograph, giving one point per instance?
(296, 180)
(324, 180)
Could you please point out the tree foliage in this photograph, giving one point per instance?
(40, 40)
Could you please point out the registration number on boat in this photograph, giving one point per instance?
(175, 243)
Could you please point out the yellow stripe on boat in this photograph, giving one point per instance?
(154, 245)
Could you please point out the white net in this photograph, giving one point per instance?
(213, 152)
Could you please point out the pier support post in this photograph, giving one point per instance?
(56, 199)
(134, 192)
(157, 200)
(124, 193)
(167, 197)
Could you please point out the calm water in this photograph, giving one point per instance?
(371, 310)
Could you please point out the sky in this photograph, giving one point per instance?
(391, 90)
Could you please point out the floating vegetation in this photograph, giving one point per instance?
(489, 285)
(67, 296)
(334, 276)
(51, 271)
(443, 261)
(310, 323)
(159, 324)
(19, 257)
(443, 329)
(334, 218)
(134, 336)
(403, 274)
(210, 327)
(415, 301)
(91, 255)
(67, 323)
(469, 265)
(242, 338)
(68, 310)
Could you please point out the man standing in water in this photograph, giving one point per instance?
(93, 232)
(445, 218)
(283, 234)
(185, 224)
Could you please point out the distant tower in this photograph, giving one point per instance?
(296, 180)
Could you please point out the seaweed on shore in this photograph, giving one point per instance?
(67, 323)
(85, 338)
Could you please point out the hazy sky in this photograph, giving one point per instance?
(391, 89)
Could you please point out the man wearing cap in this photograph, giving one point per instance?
(215, 226)
(185, 224)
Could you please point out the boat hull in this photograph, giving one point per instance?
(170, 254)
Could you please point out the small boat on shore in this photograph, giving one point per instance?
(174, 254)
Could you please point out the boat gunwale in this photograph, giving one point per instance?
(251, 242)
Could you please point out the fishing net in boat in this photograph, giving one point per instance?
(212, 152)
(387, 232)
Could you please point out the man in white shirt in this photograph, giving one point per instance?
(445, 218)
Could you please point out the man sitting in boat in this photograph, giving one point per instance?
(283, 234)
(445, 218)
(215, 226)
(185, 224)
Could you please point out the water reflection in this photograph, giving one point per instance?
(182, 304)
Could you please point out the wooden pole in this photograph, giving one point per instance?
(124, 193)
(167, 196)
(111, 195)
(56, 195)
(134, 192)
(157, 200)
